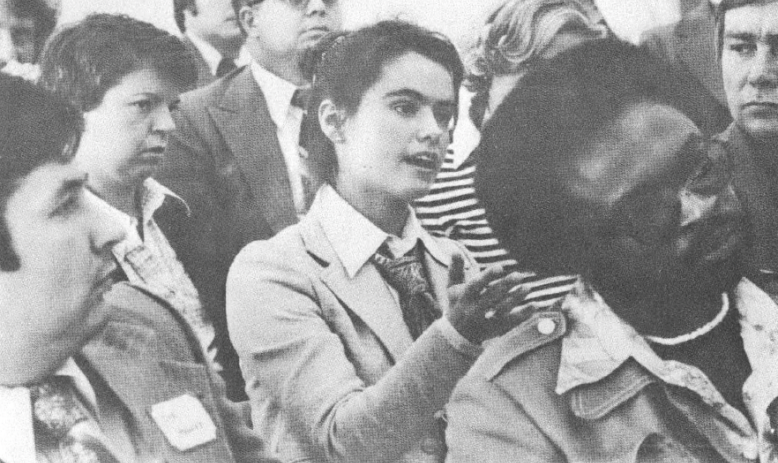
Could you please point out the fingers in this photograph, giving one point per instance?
(456, 272)
(505, 302)
(479, 284)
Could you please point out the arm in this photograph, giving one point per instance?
(288, 328)
(486, 424)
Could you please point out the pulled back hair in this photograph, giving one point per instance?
(540, 128)
(343, 66)
(36, 128)
(82, 61)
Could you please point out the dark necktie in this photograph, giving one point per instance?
(226, 65)
(406, 274)
(300, 99)
(58, 416)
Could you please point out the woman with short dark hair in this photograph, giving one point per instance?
(354, 325)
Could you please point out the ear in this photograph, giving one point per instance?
(247, 20)
(331, 121)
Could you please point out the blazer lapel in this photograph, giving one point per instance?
(436, 264)
(243, 119)
(366, 294)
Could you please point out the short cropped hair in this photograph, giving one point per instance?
(543, 124)
(343, 66)
(36, 128)
(179, 6)
(721, 10)
(82, 61)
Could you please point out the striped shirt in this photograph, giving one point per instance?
(451, 209)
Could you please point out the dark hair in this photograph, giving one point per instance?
(343, 66)
(43, 17)
(543, 124)
(36, 128)
(84, 60)
(179, 6)
(721, 10)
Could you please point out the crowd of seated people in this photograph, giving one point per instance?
(253, 243)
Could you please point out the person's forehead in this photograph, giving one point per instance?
(647, 144)
(757, 18)
(44, 186)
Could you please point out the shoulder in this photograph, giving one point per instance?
(285, 247)
(529, 351)
(212, 94)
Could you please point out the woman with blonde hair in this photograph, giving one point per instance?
(516, 36)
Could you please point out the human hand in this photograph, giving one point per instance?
(484, 307)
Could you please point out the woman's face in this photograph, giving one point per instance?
(125, 136)
(395, 141)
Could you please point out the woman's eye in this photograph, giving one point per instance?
(143, 105)
(406, 108)
(68, 205)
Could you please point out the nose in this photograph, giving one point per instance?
(163, 120)
(697, 207)
(430, 128)
(106, 230)
(763, 70)
(316, 7)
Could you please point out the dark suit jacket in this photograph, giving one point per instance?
(690, 46)
(147, 355)
(754, 178)
(224, 160)
(204, 76)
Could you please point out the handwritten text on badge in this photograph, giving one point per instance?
(184, 422)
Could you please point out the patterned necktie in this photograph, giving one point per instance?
(406, 275)
(58, 415)
(300, 100)
(226, 65)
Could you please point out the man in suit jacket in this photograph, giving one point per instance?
(234, 154)
(211, 34)
(133, 380)
(690, 46)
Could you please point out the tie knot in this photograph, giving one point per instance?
(226, 65)
(404, 273)
(301, 97)
(54, 405)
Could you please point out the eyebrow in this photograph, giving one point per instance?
(72, 184)
(407, 92)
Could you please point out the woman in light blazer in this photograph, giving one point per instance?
(341, 361)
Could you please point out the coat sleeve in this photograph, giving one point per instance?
(292, 355)
(486, 424)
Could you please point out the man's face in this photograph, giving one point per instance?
(662, 213)
(283, 29)
(749, 61)
(51, 305)
(216, 23)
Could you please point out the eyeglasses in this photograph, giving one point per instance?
(297, 4)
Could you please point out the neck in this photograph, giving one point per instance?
(122, 197)
(285, 67)
(388, 214)
(664, 314)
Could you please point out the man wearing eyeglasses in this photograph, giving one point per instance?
(234, 156)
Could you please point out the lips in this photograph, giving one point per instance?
(721, 239)
(425, 160)
(153, 154)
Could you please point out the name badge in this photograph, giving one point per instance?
(184, 422)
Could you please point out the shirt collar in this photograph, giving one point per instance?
(16, 425)
(356, 239)
(210, 54)
(277, 91)
(153, 194)
(598, 343)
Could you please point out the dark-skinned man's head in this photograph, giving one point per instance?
(587, 167)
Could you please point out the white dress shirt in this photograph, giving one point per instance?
(287, 118)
